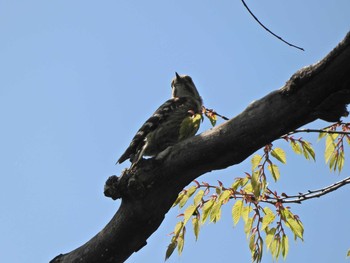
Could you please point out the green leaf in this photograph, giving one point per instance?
(341, 160)
(308, 150)
(198, 197)
(275, 172)
(181, 242)
(348, 254)
(188, 213)
(248, 188)
(285, 246)
(215, 213)
(191, 191)
(196, 227)
(321, 135)
(296, 147)
(255, 161)
(183, 200)
(237, 211)
(212, 118)
(256, 184)
(252, 242)
(170, 249)
(248, 226)
(268, 218)
(179, 198)
(279, 154)
(206, 209)
(236, 184)
(330, 147)
(178, 228)
(245, 212)
(270, 235)
(224, 196)
(190, 126)
(275, 247)
(295, 225)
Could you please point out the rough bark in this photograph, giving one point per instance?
(319, 91)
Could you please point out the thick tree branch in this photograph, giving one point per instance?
(320, 91)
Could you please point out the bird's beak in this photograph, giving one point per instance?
(177, 76)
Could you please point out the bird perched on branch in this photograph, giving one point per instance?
(175, 120)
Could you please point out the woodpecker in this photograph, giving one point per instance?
(175, 120)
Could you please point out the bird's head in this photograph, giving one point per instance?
(183, 86)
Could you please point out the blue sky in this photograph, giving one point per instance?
(78, 78)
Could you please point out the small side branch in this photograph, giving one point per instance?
(309, 194)
(319, 131)
(268, 30)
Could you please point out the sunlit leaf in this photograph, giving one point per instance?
(252, 242)
(183, 200)
(248, 226)
(198, 197)
(285, 246)
(189, 126)
(224, 196)
(189, 212)
(206, 209)
(330, 147)
(270, 235)
(196, 227)
(308, 150)
(237, 211)
(215, 213)
(256, 184)
(181, 242)
(255, 161)
(245, 212)
(321, 135)
(267, 219)
(274, 170)
(296, 147)
(295, 225)
(341, 160)
(248, 188)
(212, 118)
(236, 184)
(275, 247)
(178, 228)
(179, 198)
(191, 190)
(348, 254)
(279, 154)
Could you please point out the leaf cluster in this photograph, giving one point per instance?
(264, 212)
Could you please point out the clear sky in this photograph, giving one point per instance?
(78, 78)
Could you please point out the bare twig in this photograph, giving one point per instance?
(211, 111)
(268, 30)
(309, 194)
(318, 131)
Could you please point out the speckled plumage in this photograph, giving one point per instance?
(162, 129)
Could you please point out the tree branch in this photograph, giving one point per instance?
(268, 30)
(309, 194)
(150, 188)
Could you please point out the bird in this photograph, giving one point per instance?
(175, 120)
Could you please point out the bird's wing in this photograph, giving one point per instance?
(159, 116)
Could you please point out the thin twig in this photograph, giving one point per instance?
(309, 194)
(215, 113)
(318, 131)
(268, 30)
